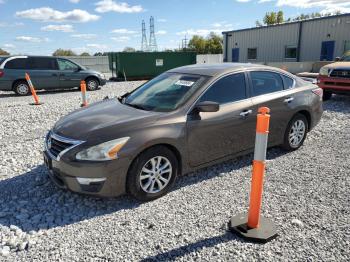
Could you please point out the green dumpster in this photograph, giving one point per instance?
(146, 65)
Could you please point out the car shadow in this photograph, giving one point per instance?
(338, 103)
(32, 202)
(233, 164)
(181, 251)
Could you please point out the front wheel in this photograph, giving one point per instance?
(92, 84)
(152, 174)
(295, 133)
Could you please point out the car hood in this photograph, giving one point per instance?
(87, 70)
(338, 65)
(103, 119)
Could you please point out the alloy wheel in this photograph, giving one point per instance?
(92, 85)
(22, 89)
(155, 174)
(297, 133)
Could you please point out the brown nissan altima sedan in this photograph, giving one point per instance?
(182, 120)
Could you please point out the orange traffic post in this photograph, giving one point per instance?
(32, 90)
(252, 226)
(83, 93)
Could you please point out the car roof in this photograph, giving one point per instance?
(27, 56)
(218, 69)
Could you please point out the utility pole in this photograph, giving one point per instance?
(144, 45)
(184, 43)
(152, 38)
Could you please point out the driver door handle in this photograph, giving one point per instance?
(246, 113)
(288, 100)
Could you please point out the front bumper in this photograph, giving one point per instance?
(112, 176)
(336, 84)
(103, 81)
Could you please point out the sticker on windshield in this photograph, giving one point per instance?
(184, 83)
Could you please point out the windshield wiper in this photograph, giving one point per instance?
(123, 97)
(136, 106)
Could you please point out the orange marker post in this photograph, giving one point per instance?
(83, 93)
(252, 226)
(262, 131)
(32, 90)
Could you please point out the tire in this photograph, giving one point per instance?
(92, 84)
(21, 88)
(327, 95)
(293, 142)
(141, 189)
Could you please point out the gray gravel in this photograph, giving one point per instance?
(306, 193)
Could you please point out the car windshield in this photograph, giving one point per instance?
(165, 93)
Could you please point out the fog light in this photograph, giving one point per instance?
(88, 181)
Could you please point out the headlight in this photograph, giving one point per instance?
(102, 152)
(324, 71)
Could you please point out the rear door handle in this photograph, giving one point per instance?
(288, 100)
(246, 113)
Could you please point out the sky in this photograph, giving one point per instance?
(41, 26)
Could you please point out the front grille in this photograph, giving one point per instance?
(337, 84)
(56, 145)
(344, 73)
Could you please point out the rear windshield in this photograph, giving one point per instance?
(166, 92)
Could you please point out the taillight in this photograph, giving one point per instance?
(318, 91)
(1, 73)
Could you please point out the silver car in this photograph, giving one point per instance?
(46, 72)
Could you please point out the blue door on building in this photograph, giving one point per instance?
(327, 51)
(235, 54)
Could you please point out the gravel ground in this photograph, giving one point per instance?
(306, 193)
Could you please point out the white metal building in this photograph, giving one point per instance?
(310, 40)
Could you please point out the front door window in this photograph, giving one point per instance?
(66, 65)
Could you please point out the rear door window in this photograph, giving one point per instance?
(17, 63)
(288, 82)
(42, 63)
(227, 89)
(265, 82)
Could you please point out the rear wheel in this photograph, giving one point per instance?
(152, 174)
(295, 133)
(92, 84)
(21, 88)
(327, 95)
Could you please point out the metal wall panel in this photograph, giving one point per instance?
(315, 32)
(271, 41)
(98, 63)
(209, 59)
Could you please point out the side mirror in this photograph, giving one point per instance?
(207, 106)
(77, 69)
(337, 58)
